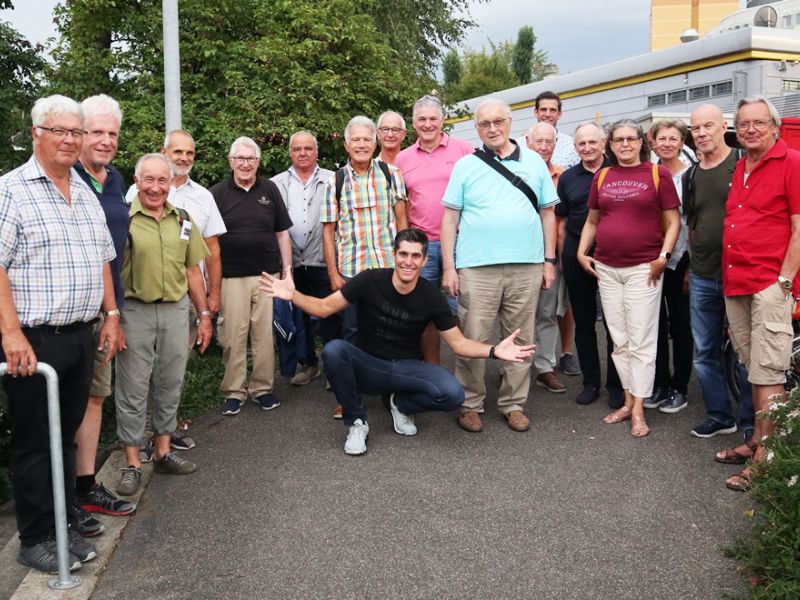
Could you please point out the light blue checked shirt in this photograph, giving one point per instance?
(53, 251)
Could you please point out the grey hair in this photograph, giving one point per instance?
(360, 120)
(601, 133)
(389, 113)
(152, 156)
(532, 131)
(168, 137)
(492, 101)
(54, 105)
(755, 99)
(303, 132)
(245, 141)
(426, 101)
(644, 151)
(101, 105)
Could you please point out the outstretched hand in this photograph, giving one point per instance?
(508, 350)
(277, 288)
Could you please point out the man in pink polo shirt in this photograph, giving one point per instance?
(426, 167)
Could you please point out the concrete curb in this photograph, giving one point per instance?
(32, 585)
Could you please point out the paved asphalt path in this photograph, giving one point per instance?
(573, 508)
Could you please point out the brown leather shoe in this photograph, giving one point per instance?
(470, 421)
(518, 421)
(337, 412)
(551, 382)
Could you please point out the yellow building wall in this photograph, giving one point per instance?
(669, 19)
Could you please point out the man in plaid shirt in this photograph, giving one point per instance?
(55, 275)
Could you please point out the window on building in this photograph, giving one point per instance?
(656, 100)
(675, 97)
(791, 85)
(786, 21)
(723, 88)
(698, 93)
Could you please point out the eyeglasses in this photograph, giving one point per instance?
(625, 140)
(61, 133)
(498, 123)
(393, 130)
(245, 159)
(759, 125)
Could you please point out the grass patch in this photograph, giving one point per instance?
(770, 557)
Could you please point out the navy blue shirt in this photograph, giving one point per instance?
(573, 191)
(112, 201)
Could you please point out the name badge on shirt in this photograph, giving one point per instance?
(186, 230)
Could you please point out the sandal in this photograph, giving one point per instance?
(639, 428)
(618, 416)
(732, 456)
(739, 482)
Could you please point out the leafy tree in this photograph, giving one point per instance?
(20, 68)
(248, 67)
(522, 58)
(486, 71)
(452, 69)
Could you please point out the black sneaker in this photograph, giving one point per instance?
(710, 428)
(44, 557)
(101, 500)
(616, 398)
(675, 403)
(82, 550)
(83, 522)
(178, 441)
(589, 394)
(173, 464)
(657, 398)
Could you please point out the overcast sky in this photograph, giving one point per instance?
(576, 33)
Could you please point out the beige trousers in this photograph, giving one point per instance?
(508, 293)
(631, 308)
(244, 309)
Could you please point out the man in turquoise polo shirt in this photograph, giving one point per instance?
(505, 252)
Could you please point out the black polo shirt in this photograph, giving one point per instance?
(573, 191)
(252, 218)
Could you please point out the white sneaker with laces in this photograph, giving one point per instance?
(403, 423)
(356, 442)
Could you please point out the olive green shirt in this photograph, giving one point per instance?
(158, 253)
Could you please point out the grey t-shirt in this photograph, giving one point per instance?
(705, 212)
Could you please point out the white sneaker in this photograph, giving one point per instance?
(356, 442)
(403, 423)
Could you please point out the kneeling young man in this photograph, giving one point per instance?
(394, 307)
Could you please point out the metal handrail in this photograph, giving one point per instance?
(65, 579)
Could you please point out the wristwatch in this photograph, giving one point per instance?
(785, 282)
(552, 261)
(666, 255)
(111, 313)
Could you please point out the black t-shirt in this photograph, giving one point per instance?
(390, 324)
(573, 191)
(252, 217)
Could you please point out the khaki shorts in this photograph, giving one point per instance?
(761, 332)
(101, 375)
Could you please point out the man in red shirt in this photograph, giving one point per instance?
(760, 259)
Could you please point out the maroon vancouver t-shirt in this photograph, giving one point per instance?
(629, 231)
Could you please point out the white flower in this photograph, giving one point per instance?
(770, 456)
(792, 481)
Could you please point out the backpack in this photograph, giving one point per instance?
(340, 173)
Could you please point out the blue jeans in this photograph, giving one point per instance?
(432, 271)
(707, 306)
(418, 386)
(313, 281)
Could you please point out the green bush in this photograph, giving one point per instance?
(771, 556)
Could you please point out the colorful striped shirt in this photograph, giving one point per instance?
(52, 251)
(364, 217)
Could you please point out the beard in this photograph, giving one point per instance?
(180, 171)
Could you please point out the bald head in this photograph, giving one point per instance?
(541, 138)
(708, 127)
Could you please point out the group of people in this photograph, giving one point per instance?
(383, 258)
